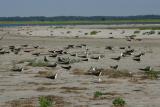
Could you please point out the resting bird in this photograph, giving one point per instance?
(53, 55)
(52, 76)
(84, 59)
(36, 54)
(137, 59)
(114, 67)
(109, 47)
(52, 65)
(95, 57)
(17, 69)
(116, 58)
(147, 68)
(67, 67)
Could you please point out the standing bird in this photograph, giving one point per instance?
(45, 59)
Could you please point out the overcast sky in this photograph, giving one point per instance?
(78, 7)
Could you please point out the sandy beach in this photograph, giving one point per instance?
(75, 87)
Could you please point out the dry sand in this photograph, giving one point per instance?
(72, 89)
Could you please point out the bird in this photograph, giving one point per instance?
(53, 55)
(63, 60)
(73, 54)
(84, 59)
(25, 45)
(45, 59)
(52, 65)
(114, 67)
(94, 71)
(36, 54)
(109, 47)
(147, 68)
(123, 54)
(17, 69)
(137, 59)
(67, 67)
(95, 57)
(121, 47)
(52, 76)
(83, 56)
(140, 54)
(117, 58)
(36, 47)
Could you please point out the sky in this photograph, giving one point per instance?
(78, 7)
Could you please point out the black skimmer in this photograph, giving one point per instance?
(17, 69)
(53, 55)
(84, 59)
(68, 67)
(73, 54)
(36, 54)
(137, 59)
(109, 48)
(83, 56)
(122, 47)
(53, 76)
(114, 67)
(52, 65)
(117, 58)
(45, 59)
(95, 57)
(138, 55)
(147, 68)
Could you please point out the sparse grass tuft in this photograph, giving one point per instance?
(97, 94)
(26, 60)
(116, 73)
(45, 102)
(93, 32)
(38, 63)
(119, 102)
(136, 32)
(152, 74)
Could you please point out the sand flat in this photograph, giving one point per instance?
(75, 89)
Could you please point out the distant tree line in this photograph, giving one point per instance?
(78, 18)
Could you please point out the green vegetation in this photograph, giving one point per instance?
(152, 74)
(85, 33)
(119, 102)
(44, 102)
(26, 60)
(97, 94)
(136, 32)
(38, 63)
(83, 22)
(93, 32)
(149, 32)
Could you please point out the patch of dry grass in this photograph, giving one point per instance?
(77, 71)
(34, 102)
(74, 88)
(116, 73)
(44, 89)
